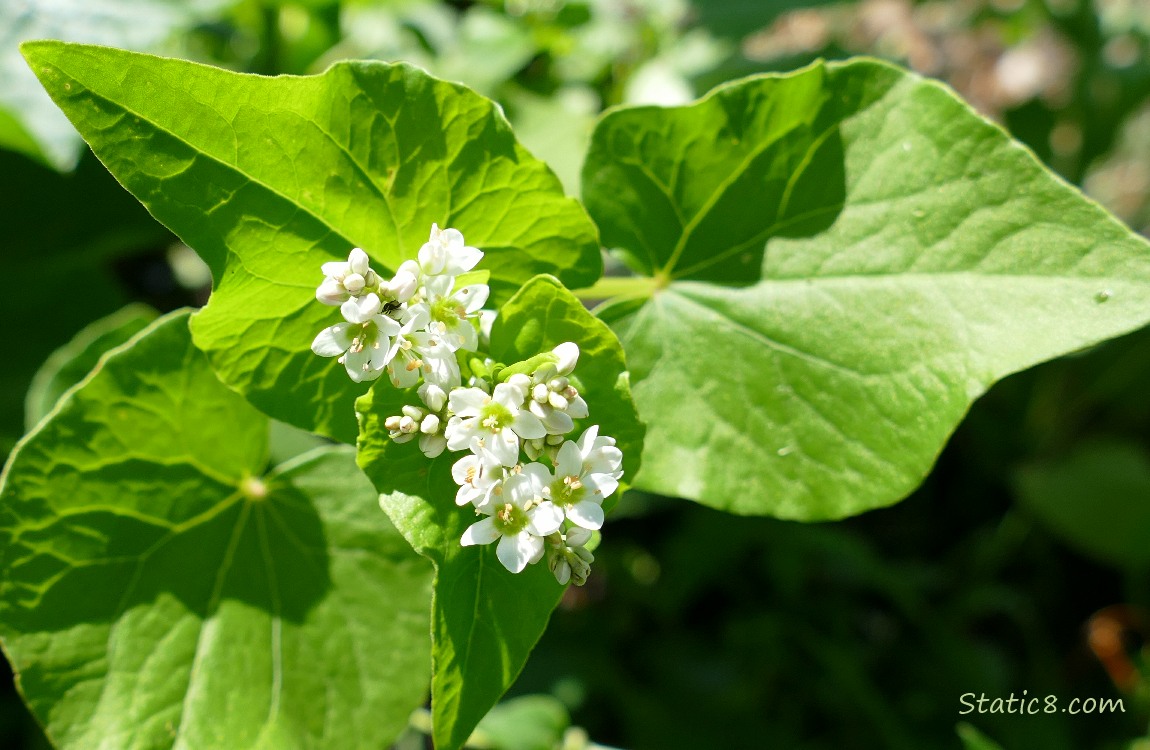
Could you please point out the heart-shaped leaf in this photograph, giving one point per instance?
(268, 178)
(158, 589)
(840, 261)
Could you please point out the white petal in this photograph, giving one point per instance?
(504, 445)
(332, 341)
(587, 440)
(331, 292)
(386, 326)
(482, 531)
(432, 445)
(568, 462)
(577, 408)
(336, 269)
(362, 309)
(538, 474)
(465, 466)
(600, 486)
(568, 354)
(527, 425)
(517, 550)
(467, 402)
(587, 514)
(460, 432)
(546, 519)
(463, 259)
(557, 423)
(472, 297)
(508, 395)
(577, 536)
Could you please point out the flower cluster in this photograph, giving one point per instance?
(538, 492)
(410, 326)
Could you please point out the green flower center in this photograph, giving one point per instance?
(446, 310)
(510, 519)
(567, 491)
(495, 416)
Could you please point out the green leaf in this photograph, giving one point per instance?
(529, 722)
(268, 178)
(842, 260)
(1095, 499)
(973, 739)
(70, 363)
(156, 590)
(485, 620)
(28, 120)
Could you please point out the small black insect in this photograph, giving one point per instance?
(391, 306)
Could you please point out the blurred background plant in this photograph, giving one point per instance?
(1022, 563)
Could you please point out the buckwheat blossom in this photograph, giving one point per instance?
(363, 342)
(577, 489)
(497, 418)
(446, 254)
(451, 314)
(519, 520)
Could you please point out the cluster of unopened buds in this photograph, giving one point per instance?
(540, 494)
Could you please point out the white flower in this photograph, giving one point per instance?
(497, 419)
(578, 490)
(451, 314)
(445, 253)
(364, 339)
(600, 456)
(345, 279)
(520, 520)
(478, 474)
(421, 353)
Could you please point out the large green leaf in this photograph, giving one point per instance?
(158, 590)
(841, 260)
(1096, 499)
(267, 178)
(28, 120)
(70, 363)
(485, 620)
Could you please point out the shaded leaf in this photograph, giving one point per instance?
(70, 363)
(1097, 499)
(158, 589)
(842, 260)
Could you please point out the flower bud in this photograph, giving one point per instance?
(533, 447)
(539, 393)
(407, 425)
(554, 439)
(557, 401)
(520, 380)
(331, 292)
(358, 261)
(558, 384)
(577, 407)
(392, 423)
(429, 425)
(403, 285)
(353, 283)
(413, 411)
(568, 354)
(434, 396)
